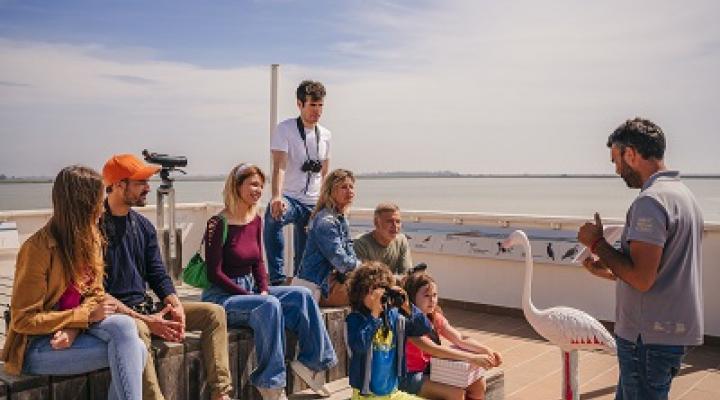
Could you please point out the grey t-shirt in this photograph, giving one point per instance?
(665, 214)
(396, 255)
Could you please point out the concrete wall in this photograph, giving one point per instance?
(478, 280)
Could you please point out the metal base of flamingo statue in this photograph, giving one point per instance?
(568, 328)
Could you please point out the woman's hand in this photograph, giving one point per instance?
(64, 338)
(101, 310)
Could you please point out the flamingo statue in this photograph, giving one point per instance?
(568, 328)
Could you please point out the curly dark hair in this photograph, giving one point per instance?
(368, 276)
(642, 135)
(314, 89)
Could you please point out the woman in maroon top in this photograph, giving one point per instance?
(239, 280)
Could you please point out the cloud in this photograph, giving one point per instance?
(133, 80)
(468, 86)
(14, 84)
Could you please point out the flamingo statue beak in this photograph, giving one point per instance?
(507, 243)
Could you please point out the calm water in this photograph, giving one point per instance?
(544, 196)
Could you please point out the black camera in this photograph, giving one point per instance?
(392, 298)
(311, 166)
(164, 160)
(148, 306)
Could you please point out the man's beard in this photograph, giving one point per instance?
(630, 176)
(140, 201)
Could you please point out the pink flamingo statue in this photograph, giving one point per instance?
(568, 328)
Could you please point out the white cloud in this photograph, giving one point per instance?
(470, 86)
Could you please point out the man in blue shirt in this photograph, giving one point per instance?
(659, 309)
(132, 260)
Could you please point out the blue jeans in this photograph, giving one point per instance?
(646, 370)
(287, 307)
(297, 214)
(112, 342)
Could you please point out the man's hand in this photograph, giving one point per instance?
(277, 207)
(598, 268)
(169, 330)
(177, 314)
(590, 233)
(64, 338)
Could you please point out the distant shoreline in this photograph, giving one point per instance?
(402, 175)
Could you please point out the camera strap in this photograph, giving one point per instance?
(301, 129)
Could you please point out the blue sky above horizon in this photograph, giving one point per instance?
(469, 86)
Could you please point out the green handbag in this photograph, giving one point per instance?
(195, 272)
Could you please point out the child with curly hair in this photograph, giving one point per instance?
(377, 330)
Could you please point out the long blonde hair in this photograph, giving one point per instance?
(333, 179)
(235, 179)
(77, 196)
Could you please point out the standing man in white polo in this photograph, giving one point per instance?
(300, 150)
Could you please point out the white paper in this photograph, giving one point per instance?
(612, 234)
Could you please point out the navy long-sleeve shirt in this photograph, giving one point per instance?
(132, 259)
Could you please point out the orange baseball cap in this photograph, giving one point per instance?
(126, 166)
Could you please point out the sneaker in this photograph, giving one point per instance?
(272, 393)
(316, 380)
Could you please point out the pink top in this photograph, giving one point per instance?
(70, 299)
(417, 360)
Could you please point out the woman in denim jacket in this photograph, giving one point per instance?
(329, 246)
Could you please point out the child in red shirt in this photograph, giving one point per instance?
(422, 291)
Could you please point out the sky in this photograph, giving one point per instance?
(468, 86)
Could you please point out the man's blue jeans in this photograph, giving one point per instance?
(646, 370)
(112, 342)
(297, 214)
(286, 307)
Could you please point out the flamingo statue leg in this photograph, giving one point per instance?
(570, 375)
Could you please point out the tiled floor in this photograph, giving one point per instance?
(532, 366)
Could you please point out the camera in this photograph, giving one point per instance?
(311, 166)
(148, 306)
(164, 160)
(392, 298)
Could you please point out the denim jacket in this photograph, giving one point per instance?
(328, 247)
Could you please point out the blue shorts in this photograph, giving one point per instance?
(412, 382)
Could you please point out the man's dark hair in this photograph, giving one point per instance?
(642, 135)
(314, 89)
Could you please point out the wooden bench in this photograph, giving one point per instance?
(180, 369)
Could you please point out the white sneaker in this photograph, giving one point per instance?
(316, 380)
(272, 393)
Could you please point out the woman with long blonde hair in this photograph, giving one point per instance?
(329, 249)
(235, 267)
(59, 323)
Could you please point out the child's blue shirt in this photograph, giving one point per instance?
(365, 334)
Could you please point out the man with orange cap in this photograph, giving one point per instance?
(132, 261)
